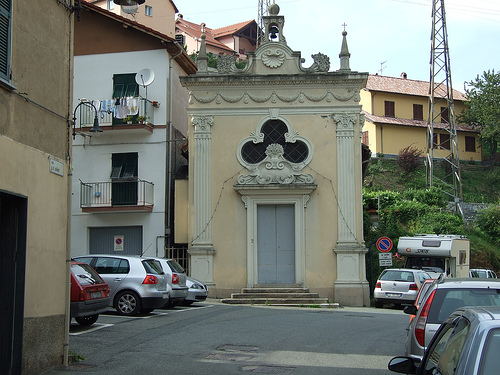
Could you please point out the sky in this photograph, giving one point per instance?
(387, 37)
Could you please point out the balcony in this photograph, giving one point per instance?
(144, 120)
(117, 196)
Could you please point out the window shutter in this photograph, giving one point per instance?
(5, 27)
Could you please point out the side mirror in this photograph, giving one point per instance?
(402, 365)
(412, 310)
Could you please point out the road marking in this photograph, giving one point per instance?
(95, 327)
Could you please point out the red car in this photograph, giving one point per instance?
(89, 294)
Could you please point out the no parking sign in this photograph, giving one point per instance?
(384, 244)
(118, 244)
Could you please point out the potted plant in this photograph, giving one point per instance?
(129, 119)
(141, 119)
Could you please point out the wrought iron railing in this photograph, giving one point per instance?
(116, 193)
(108, 118)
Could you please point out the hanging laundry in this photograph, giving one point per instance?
(121, 108)
(132, 105)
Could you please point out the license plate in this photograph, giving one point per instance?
(393, 294)
(95, 294)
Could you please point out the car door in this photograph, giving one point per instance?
(113, 270)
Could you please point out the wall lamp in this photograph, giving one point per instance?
(96, 127)
(129, 6)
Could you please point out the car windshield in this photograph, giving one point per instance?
(448, 300)
(397, 275)
(176, 267)
(490, 361)
(86, 274)
(153, 266)
(480, 274)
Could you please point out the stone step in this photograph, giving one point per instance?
(270, 294)
(275, 290)
(276, 301)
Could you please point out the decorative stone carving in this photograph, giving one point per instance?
(226, 64)
(321, 63)
(273, 58)
(274, 169)
(202, 123)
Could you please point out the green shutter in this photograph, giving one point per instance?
(5, 27)
(124, 85)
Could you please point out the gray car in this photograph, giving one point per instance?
(443, 297)
(138, 284)
(176, 281)
(197, 292)
(398, 286)
(466, 343)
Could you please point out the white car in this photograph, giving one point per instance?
(176, 281)
(197, 291)
(399, 286)
(482, 273)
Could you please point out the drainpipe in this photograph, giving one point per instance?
(169, 142)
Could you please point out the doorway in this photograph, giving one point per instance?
(276, 244)
(13, 229)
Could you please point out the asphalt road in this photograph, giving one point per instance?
(213, 338)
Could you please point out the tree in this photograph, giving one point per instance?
(483, 111)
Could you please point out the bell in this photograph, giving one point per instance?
(273, 31)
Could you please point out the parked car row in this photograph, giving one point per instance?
(130, 284)
(454, 325)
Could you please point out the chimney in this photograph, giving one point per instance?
(404, 75)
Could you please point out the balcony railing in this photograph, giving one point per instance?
(145, 116)
(117, 195)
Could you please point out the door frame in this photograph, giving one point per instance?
(298, 196)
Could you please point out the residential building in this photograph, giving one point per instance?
(274, 189)
(237, 39)
(121, 187)
(35, 153)
(155, 14)
(396, 116)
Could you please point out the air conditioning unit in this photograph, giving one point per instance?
(180, 39)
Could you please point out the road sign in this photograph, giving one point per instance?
(385, 259)
(384, 244)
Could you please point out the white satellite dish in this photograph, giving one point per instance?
(145, 77)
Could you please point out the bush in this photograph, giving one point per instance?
(409, 158)
(488, 220)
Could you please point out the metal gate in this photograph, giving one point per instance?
(116, 240)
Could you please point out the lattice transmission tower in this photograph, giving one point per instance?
(262, 11)
(442, 146)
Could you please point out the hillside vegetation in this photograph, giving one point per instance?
(402, 206)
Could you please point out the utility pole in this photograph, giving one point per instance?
(442, 145)
(263, 7)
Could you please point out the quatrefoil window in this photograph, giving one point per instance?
(274, 132)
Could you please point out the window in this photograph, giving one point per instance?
(124, 165)
(445, 115)
(418, 112)
(470, 144)
(149, 11)
(124, 85)
(365, 138)
(444, 141)
(110, 5)
(389, 109)
(274, 133)
(5, 38)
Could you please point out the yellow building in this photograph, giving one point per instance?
(274, 191)
(35, 116)
(396, 113)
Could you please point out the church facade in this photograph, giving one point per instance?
(274, 189)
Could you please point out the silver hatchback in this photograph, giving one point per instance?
(398, 286)
(138, 284)
(175, 277)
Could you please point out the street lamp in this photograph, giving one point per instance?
(129, 6)
(96, 127)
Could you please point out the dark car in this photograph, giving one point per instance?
(467, 342)
(89, 294)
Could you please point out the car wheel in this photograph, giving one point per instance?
(87, 320)
(379, 304)
(127, 303)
